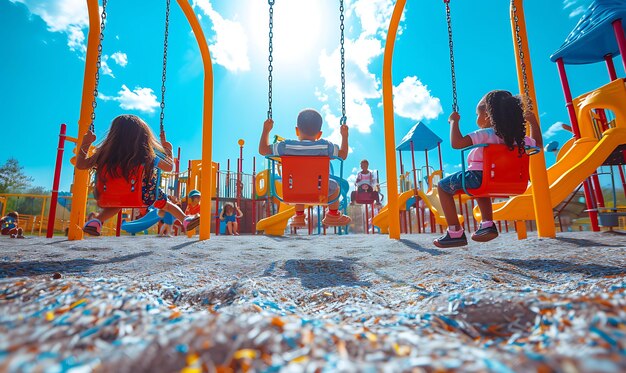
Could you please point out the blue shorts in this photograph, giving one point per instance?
(453, 183)
(230, 218)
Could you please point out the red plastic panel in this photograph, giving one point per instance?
(305, 179)
(505, 172)
(119, 192)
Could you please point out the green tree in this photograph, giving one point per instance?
(12, 177)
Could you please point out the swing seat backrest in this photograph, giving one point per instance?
(118, 191)
(505, 172)
(365, 198)
(305, 179)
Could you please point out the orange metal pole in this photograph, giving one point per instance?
(81, 177)
(390, 154)
(207, 116)
(538, 173)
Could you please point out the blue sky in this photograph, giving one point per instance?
(43, 46)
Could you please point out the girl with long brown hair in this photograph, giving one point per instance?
(129, 145)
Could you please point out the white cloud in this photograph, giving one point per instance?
(140, 99)
(412, 100)
(371, 20)
(120, 58)
(66, 16)
(556, 127)
(229, 46)
(104, 67)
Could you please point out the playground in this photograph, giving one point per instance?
(349, 303)
(183, 258)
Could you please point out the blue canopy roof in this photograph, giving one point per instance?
(423, 139)
(593, 37)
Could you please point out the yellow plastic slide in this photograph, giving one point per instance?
(276, 224)
(582, 159)
(381, 220)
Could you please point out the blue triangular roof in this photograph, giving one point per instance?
(423, 139)
(593, 37)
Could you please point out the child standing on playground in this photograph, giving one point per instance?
(501, 119)
(230, 214)
(130, 144)
(9, 227)
(309, 132)
(193, 203)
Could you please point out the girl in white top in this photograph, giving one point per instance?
(502, 121)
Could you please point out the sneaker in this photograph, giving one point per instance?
(446, 241)
(336, 220)
(93, 227)
(485, 234)
(191, 222)
(298, 221)
(13, 235)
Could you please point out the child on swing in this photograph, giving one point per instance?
(309, 132)
(230, 214)
(129, 144)
(501, 120)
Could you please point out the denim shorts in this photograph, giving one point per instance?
(453, 183)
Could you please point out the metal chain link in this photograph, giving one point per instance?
(455, 106)
(94, 103)
(343, 65)
(164, 74)
(528, 105)
(270, 59)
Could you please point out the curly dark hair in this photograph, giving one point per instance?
(507, 117)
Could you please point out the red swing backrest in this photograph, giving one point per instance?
(505, 172)
(364, 198)
(305, 179)
(119, 192)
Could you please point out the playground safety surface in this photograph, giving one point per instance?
(340, 303)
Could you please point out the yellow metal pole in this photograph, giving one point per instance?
(538, 171)
(81, 177)
(43, 209)
(207, 116)
(390, 137)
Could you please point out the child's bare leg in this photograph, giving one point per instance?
(235, 228)
(449, 209)
(486, 210)
(107, 213)
(229, 227)
(300, 209)
(174, 210)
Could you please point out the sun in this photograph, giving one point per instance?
(301, 29)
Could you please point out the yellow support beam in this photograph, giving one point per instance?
(390, 137)
(207, 115)
(538, 170)
(81, 177)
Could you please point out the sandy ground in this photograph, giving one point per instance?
(309, 303)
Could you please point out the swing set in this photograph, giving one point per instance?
(118, 191)
(505, 171)
(305, 179)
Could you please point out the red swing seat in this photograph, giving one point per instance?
(305, 179)
(119, 191)
(505, 172)
(364, 198)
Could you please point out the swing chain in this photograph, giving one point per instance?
(343, 65)
(164, 75)
(518, 38)
(270, 59)
(455, 106)
(94, 103)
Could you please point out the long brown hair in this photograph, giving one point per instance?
(129, 144)
(507, 117)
